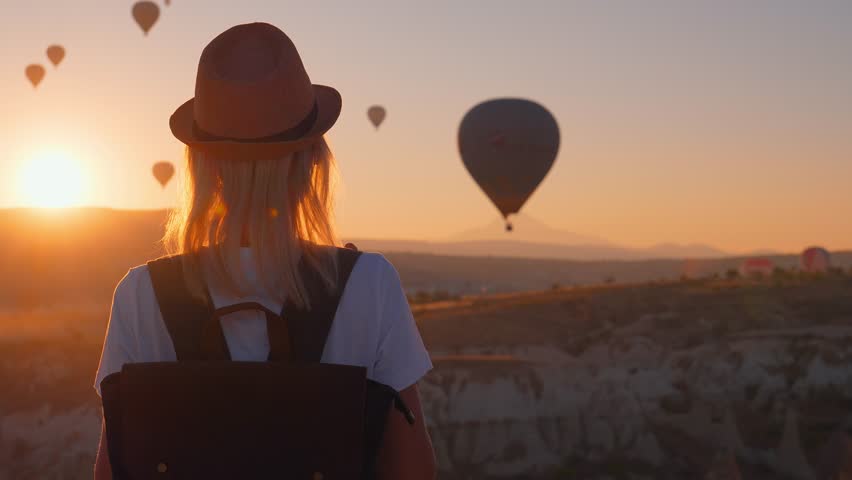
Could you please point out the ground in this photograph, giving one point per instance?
(679, 379)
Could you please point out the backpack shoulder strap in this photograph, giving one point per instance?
(309, 328)
(183, 314)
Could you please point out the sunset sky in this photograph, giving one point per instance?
(721, 122)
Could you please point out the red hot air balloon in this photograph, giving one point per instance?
(56, 54)
(35, 73)
(377, 115)
(146, 14)
(815, 260)
(163, 172)
(508, 145)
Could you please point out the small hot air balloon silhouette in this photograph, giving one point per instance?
(508, 145)
(168, 2)
(146, 14)
(35, 73)
(163, 172)
(377, 115)
(56, 53)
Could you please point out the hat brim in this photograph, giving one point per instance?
(329, 104)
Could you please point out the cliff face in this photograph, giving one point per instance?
(699, 379)
(672, 381)
(771, 400)
(49, 414)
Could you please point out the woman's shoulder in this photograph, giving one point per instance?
(135, 284)
(374, 269)
(373, 263)
(372, 281)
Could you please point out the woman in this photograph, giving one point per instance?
(258, 201)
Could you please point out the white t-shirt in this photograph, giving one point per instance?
(373, 327)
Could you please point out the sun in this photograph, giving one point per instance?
(52, 179)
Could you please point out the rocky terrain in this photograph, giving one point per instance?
(687, 380)
(695, 379)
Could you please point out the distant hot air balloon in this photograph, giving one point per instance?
(508, 145)
(56, 54)
(146, 14)
(757, 267)
(168, 2)
(815, 260)
(377, 115)
(35, 73)
(163, 172)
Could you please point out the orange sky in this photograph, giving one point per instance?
(718, 122)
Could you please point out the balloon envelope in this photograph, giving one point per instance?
(377, 115)
(146, 14)
(56, 54)
(815, 259)
(163, 172)
(35, 73)
(508, 145)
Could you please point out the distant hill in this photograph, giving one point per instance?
(458, 274)
(526, 229)
(78, 256)
(532, 238)
(522, 249)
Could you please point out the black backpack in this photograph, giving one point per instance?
(205, 416)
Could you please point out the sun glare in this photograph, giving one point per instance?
(52, 179)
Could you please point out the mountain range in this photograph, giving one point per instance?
(531, 238)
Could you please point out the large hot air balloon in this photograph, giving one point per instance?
(163, 172)
(35, 73)
(146, 14)
(508, 145)
(815, 260)
(56, 54)
(377, 115)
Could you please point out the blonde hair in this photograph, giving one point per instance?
(280, 208)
